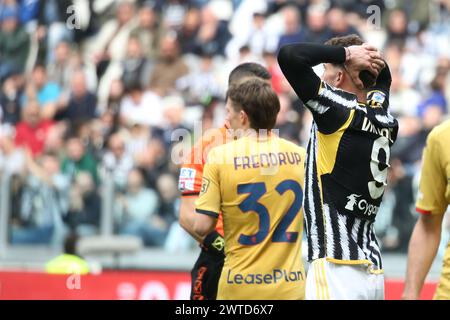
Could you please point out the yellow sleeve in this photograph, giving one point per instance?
(433, 181)
(209, 200)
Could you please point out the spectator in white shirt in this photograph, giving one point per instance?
(141, 107)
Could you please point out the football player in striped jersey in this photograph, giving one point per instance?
(346, 169)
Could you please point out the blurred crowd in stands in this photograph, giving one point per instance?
(93, 90)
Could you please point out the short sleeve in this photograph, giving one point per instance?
(191, 171)
(209, 200)
(433, 181)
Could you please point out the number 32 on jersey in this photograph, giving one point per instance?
(251, 204)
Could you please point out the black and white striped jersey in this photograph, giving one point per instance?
(346, 173)
(348, 157)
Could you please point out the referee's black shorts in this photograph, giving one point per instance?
(205, 276)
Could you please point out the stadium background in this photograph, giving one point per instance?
(92, 91)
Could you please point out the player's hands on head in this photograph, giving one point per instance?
(360, 60)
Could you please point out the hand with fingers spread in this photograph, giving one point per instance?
(364, 58)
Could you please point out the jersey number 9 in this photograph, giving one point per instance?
(376, 188)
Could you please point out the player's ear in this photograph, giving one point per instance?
(339, 77)
(243, 117)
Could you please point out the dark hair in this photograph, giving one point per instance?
(70, 244)
(246, 70)
(50, 154)
(132, 86)
(40, 66)
(258, 100)
(367, 78)
(345, 41)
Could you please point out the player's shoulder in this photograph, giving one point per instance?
(199, 151)
(334, 93)
(291, 146)
(213, 137)
(219, 151)
(440, 131)
(440, 134)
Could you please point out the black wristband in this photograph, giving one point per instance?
(214, 243)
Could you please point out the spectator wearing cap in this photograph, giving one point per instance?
(14, 41)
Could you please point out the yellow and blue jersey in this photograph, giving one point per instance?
(257, 185)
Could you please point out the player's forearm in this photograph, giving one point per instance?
(296, 62)
(312, 54)
(384, 80)
(203, 225)
(422, 250)
(187, 218)
(188, 226)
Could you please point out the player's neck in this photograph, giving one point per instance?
(259, 134)
(360, 95)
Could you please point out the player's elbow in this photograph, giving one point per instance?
(431, 224)
(284, 56)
